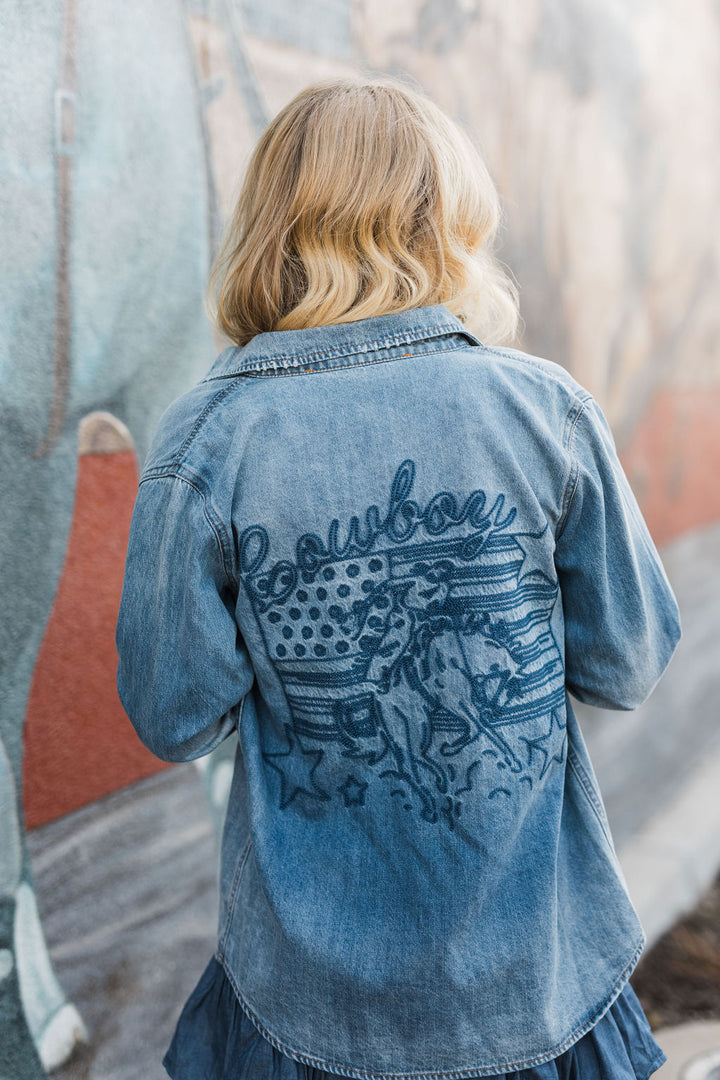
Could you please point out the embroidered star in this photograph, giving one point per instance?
(353, 791)
(296, 767)
(538, 745)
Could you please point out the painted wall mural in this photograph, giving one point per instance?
(125, 130)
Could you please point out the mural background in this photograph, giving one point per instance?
(125, 131)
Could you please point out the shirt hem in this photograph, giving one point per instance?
(468, 1073)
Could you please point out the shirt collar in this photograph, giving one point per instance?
(279, 351)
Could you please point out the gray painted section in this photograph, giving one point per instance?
(592, 45)
(316, 26)
(441, 24)
(248, 85)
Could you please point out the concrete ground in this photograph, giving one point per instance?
(692, 1051)
(127, 886)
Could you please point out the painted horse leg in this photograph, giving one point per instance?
(55, 1024)
(18, 1055)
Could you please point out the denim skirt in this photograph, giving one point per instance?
(215, 1040)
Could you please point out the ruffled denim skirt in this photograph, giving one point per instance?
(215, 1040)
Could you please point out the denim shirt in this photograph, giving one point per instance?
(383, 552)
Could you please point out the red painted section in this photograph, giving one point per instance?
(79, 744)
(673, 461)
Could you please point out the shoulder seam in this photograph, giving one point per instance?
(571, 422)
(577, 391)
(212, 518)
(211, 405)
(580, 398)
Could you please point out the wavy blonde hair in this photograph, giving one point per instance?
(361, 198)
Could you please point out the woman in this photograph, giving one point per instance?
(382, 551)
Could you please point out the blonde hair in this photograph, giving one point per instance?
(360, 199)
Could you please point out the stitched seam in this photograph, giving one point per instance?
(234, 890)
(213, 521)
(366, 346)
(579, 394)
(454, 1074)
(584, 780)
(356, 363)
(214, 401)
(408, 338)
(534, 362)
(221, 378)
(571, 422)
(224, 352)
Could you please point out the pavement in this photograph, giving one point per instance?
(692, 1051)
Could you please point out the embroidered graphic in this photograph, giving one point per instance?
(296, 767)
(419, 652)
(540, 745)
(353, 791)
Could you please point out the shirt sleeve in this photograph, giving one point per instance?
(621, 618)
(183, 668)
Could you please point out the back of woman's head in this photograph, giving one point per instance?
(362, 198)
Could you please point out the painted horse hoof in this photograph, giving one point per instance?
(61, 1035)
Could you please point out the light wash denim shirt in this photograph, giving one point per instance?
(383, 552)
